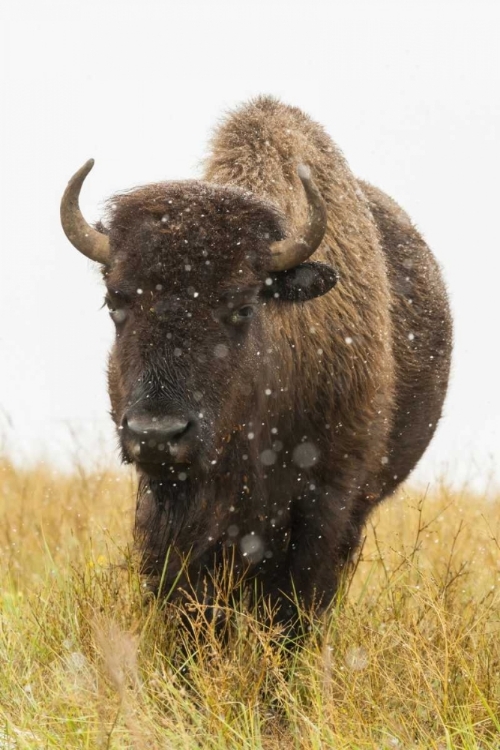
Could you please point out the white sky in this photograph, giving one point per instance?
(410, 92)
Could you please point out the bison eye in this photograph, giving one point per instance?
(242, 315)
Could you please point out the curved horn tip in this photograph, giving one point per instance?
(90, 242)
(304, 172)
(290, 252)
(85, 169)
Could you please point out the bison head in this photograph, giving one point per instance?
(195, 273)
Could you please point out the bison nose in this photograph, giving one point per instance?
(155, 430)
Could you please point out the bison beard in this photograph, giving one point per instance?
(268, 408)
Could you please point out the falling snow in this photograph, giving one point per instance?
(356, 658)
(252, 547)
(221, 351)
(268, 457)
(305, 455)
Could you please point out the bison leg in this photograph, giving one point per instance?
(325, 532)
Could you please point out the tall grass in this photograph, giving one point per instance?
(410, 658)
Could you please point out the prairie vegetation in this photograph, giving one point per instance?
(410, 657)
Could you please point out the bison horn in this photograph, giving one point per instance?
(289, 253)
(85, 238)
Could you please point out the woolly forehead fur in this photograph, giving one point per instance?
(219, 235)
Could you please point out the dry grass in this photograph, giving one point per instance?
(411, 659)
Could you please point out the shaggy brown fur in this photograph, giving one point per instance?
(317, 410)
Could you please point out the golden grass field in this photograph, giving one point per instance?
(410, 658)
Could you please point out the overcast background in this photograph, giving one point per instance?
(410, 92)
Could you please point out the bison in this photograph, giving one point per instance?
(281, 359)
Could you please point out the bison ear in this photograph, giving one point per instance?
(299, 284)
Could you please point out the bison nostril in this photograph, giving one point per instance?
(177, 430)
(155, 431)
